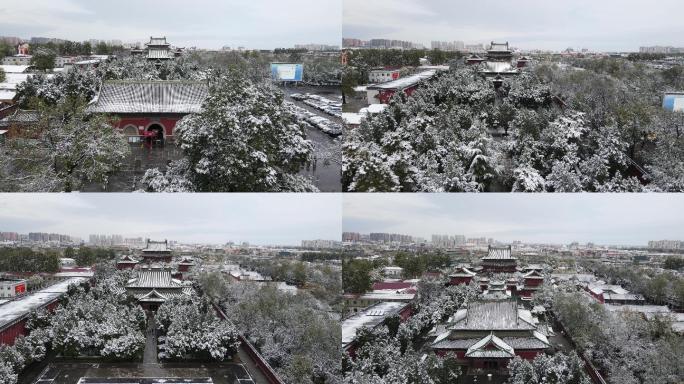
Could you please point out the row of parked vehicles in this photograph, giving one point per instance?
(320, 122)
(331, 107)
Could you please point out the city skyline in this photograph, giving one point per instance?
(272, 219)
(598, 219)
(206, 24)
(527, 24)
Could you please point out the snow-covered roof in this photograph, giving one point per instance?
(69, 274)
(156, 246)
(7, 95)
(405, 82)
(494, 315)
(20, 116)
(536, 341)
(499, 253)
(150, 97)
(387, 294)
(369, 318)
(623, 296)
(499, 47)
(14, 68)
(600, 288)
(490, 346)
(16, 309)
(350, 118)
(154, 278)
(157, 41)
(14, 79)
(462, 272)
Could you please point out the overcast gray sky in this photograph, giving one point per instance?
(263, 24)
(259, 218)
(605, 25)
(610, 219)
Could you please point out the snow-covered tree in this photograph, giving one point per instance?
(70, 148)
(245, 139)
(546, 369)
(192, 328)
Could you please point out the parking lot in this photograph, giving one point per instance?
(326, 169)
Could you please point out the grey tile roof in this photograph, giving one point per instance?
(154, 279)
(156, 246)
(181, 97)
(21, 116)
(498, 253)
(493, 316)
(514, 342)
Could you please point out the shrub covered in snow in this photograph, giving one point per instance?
(295, 333)
(98, 323)
(70, 149)
(192, 329)
(447, 137)
(245, 139)
(544, 369)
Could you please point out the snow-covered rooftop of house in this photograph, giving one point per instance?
(157, 41)
(156, 246)
(369, 317)
(482, 348)
(499, 253)
(154, 278)
(6, 94)
(600, 288)
(68, 274)
(13, 79)
(14, 68)
(493, 316)
(623, 296)
(405, 82)
(351, 118)
(19, 308)
(387, 294)
(582, 277)
(499, 47)
(462, 272)
(248, 275)
(150, 97)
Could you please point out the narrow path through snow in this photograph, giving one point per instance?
(150, 355)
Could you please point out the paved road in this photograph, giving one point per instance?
(150, 356)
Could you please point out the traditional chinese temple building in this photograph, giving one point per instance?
(499, 260)
(153, 286)
(461, 275)
(156, 252)
(127, 262)
(487, 334)
(498, 63)
(149, 110)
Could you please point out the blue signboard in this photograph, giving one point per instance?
(287, 72)
(674, 102)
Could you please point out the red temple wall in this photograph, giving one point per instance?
(169, 123)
